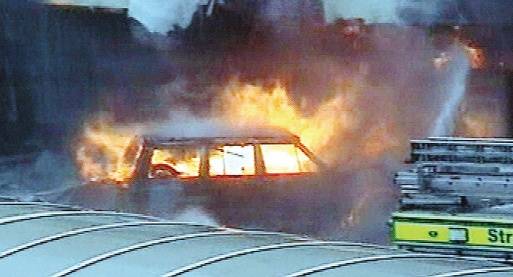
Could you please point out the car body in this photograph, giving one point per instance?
(264, 178)
(221, 159)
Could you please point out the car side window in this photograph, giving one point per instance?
(232, 160)
(175, 162)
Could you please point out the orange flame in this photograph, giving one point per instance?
(476, 56)
(103, 154)
(244, 104)
(186, 162)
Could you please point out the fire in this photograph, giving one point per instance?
(185, 161)
(104, 153)
(107, 154)
(476, 56)
(245, 104)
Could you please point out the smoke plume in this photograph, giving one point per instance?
(372, 11)
(162, 16)
(381, 78)
(423, 12)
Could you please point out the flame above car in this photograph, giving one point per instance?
(242, 111)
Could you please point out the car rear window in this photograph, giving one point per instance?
(286, 158)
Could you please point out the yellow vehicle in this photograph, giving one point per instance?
(457, 197)
(479, 234)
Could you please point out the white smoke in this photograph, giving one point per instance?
(162, 16)
(158, 16)
(45, 173)
(373, 11)
(385, 11)
(196, 215)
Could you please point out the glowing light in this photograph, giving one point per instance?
(280, 158)
(185, 161)
(476, 56)
(250, 105)
(104, 153)
(232, 160)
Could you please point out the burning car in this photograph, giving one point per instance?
(161, 173)
(234, 158)
(228, 157)
(232, 155)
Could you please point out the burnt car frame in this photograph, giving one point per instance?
(268, 180)
(217, 158)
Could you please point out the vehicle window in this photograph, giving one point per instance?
(285, 158)
(176, 162)
(305, 163)
(280, 158)
(232, 160)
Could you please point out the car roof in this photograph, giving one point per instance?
(159, 141)
(219, 134)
